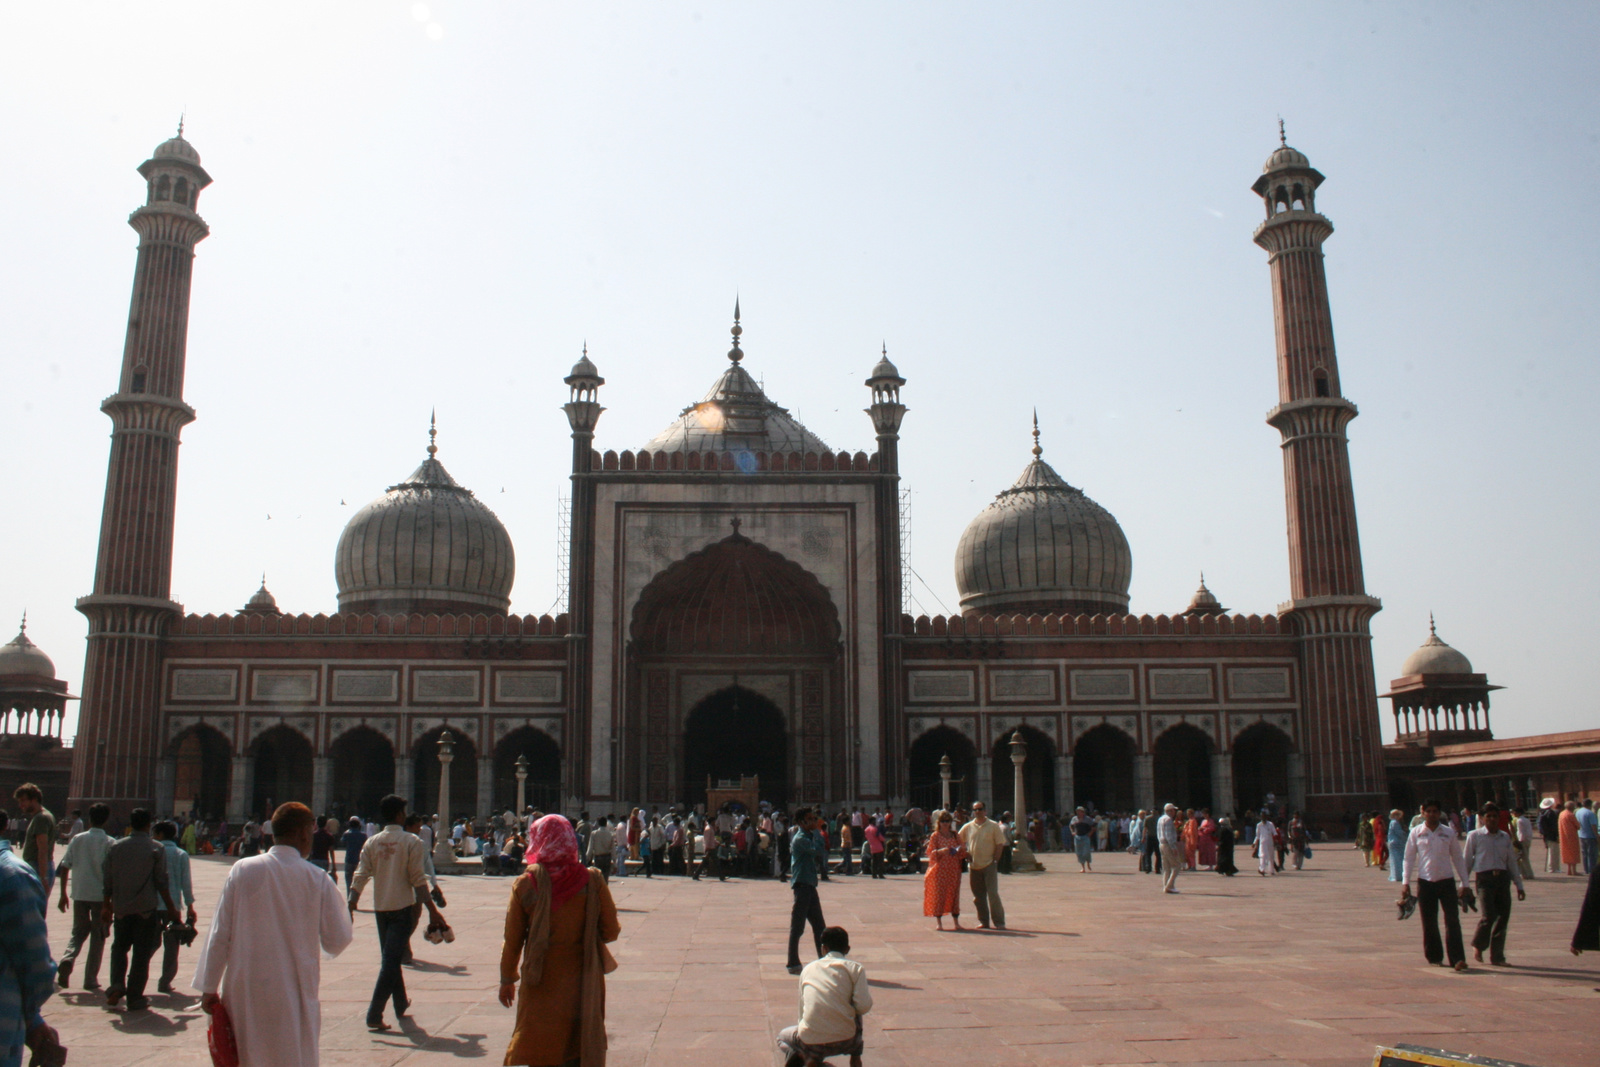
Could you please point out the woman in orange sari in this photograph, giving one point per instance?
(1571, 854)
(941, 886)
(559, 915)
(1191, 841)
(1380, 842)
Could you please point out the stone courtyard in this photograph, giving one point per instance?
(1308, 967)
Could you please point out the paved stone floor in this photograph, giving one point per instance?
(1307, 967)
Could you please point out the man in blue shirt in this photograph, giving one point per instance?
(805, 850)
(1588, 834)
(181, 889)
(27, 973)
(352, 840)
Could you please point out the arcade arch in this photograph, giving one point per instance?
(1038, 772)
(926, 751)
(1182, 767)
(732, 733)
(363, 773)
(1260, 766)
(283, 762)
(202, 772)
(463, 774)
(543, 787)
(1103, 770)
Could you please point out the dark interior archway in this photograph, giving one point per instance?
(926, 751)
(1038, 773)
(363, 773)
(732, 733)
(463, 775)
(1102, 770)
(1183, 767)
(202, 773)
(1260, 766)
(283, 769)
(543, 788)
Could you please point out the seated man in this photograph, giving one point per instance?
(491, 855)
(833, 998)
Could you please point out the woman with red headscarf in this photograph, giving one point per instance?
(559, 917)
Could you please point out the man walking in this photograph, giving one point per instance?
(25, 964)
(598, 853)
(276, 915)
(83, 868)
(135, 883)
(985, 842)
(1434, 865)
(181, 889)
(804, 852)
(39, 840)
(393, 861)
(1172, 849)
(1492, 859)
(1588, 834)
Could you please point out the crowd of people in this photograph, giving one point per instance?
(280, 908)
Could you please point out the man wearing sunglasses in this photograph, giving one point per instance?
(985, 842)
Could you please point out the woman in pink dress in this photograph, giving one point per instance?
(1571, 854)
(941, 886)
(1208, 841)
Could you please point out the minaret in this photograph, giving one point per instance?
(583, 413)
(118, 741)
(1339, 740)
(887, 412)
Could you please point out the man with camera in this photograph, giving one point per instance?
(180, 888)
(135, 885)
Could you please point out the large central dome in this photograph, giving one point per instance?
(1043, 547)
(736, 416)
(425, 545)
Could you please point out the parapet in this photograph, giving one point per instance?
(736, 462)
(252, 624)
(1092, 626)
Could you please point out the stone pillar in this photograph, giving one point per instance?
(1144, 775)
(443, 856)
(404, 783)
(166, 772)
(985, 785)
(1022, 858)
(241, 789)
(1297, 782)
(1066, 788)
(321, 772)
(1221, 784)
(485, 786)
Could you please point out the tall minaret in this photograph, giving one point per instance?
(887, 412)
(115, 755)
(1339, 741)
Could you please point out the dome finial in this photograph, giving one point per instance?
(433, 431)
(1433, 631)
(180, 123)
(734, 353)
(1037, 451)
(1283, 138)
(24, 628)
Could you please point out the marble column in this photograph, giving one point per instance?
(1221, 784)
(166, 772)
(985, 786)
(321, 770)
(1144, 776)
(404, 776)
(1065, 787)
(485, 786)
(241, 789)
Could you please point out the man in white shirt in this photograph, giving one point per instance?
(1492, 860)
(985, 842)
(83, 866)
(834, 995)
(1524, 843)
(1434, 866)
(275, 917)
(1171, 848)
(393, 861)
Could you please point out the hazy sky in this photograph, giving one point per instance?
(435, 206)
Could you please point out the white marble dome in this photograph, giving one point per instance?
(20, 656)
(425, 545)
(1043, 547)
(1435, 657)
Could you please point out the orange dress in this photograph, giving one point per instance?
(1191, 843)
(547, 1029)
(941, 886)
(1380, 842)
(1571, 854)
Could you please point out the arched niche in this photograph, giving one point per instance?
(733, 733)
(283, 768)
(543, 787)
(927, 750)
(1103, 770)
(202, 772)
(1260, 766)
(363, 773)
(1182, 767)
(1038, 773)
(463, 774)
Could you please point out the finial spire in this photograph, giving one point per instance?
(1283, 138)
(180, 124)
(24, 628)
(433, 432)
(734, 353)
(1037, 451)
(1432, 630)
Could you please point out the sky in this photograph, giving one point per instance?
(434, 207)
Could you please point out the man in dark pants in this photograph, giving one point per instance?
(393, 861)
(1492, 859)
(1434, 866)
(805, 850)
(135, 882)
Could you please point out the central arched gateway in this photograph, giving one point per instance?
(734, 664)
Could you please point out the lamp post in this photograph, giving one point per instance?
(443, 855)
(944, 782)
(522, 785)
(1022, 858)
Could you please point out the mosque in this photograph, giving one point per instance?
(735, 609)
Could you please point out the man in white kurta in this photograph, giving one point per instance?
(1266, 846)
(276, 915)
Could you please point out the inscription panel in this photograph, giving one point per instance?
(1022, 685)
(1180, 683)
(960, 686)
(197, 684)
(527, 687)
(1260, 683)
(366, 685)
(284, 687)
(1092, 685)
(445, 687)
